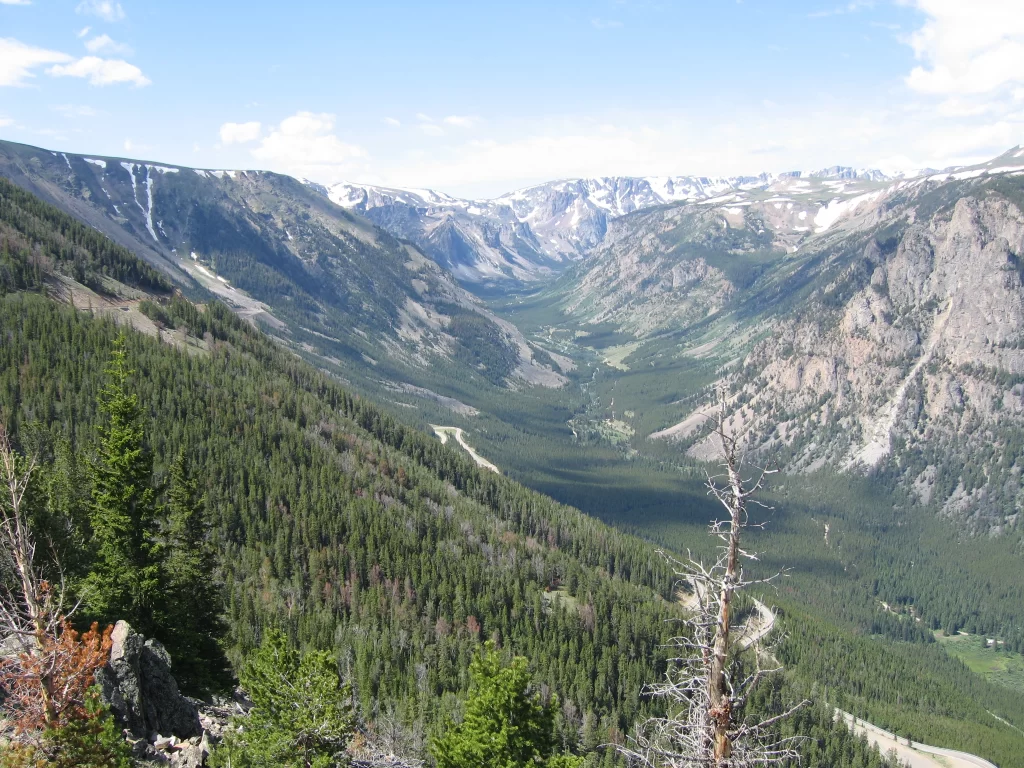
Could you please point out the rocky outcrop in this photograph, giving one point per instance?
(386, 761)
(908, 352)
(140, 690)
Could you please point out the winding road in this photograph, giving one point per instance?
(914, 754)
(445, 432)
(755, 628)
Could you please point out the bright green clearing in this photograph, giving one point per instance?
(996, 666)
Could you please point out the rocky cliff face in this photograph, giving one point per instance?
(893, 343)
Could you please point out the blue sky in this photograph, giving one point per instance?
(478, 98)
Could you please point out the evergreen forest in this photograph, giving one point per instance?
(341, 530)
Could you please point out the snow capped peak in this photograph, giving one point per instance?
(846, 173)
(526, 233)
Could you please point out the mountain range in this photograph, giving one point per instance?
(328, 283)
(875, 329)
(858, 322)
(864, 333)
(531, 233)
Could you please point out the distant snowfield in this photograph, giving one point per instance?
(564, 220)
(831, 213)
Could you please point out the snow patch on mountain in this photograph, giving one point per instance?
(147, 212)
(531, 233)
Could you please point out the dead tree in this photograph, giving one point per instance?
(47, 667)
(704, 683)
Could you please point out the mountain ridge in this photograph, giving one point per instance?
(324, 280)
(880, 334)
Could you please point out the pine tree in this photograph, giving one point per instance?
(124, 580)
(66, 511)
(193, 622)
(302, 714)
(505, 726)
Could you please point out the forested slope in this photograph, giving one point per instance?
(325, 281)
(356, 533)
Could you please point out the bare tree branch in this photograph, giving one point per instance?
(50, 669)
(702, 730)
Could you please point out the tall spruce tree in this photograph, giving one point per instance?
(125, 577)
(194, 625)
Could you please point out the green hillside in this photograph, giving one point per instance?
(361, 535)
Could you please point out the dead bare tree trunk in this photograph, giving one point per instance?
(734, 500)
(703, 731)
(30, 613)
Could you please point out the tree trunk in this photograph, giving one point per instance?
(718, 687)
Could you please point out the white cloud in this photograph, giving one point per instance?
(967, 49)
(747, 140)
(76, 110)
(17, 60)
(239, 133)
(424, 118)
(393, 121)
(105, 9)
(305, 145)
(83, 32)
(104, 44)
(101, 71)
(432, 130)
(462, 121)
(840, 10)
(15, 2)
(5, 122)
(957, 107)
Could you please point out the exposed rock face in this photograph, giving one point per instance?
(138, 686)
(385, 762)
(640, 281)
(909, 355)
(528, 234)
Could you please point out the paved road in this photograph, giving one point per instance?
(755, 628)
(445, 432)
(917, 755)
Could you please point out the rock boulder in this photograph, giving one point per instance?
(138, 687)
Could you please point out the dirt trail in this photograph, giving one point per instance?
(445, 432)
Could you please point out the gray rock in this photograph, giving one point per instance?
(192, 754)
(140, 690)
